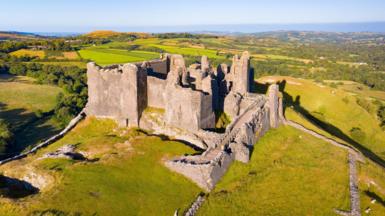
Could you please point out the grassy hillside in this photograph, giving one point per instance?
(338, 112)
(20, 100)
(290, 173)
(20, 97)
(126, 178)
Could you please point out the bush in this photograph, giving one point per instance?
(364, 104)
(381, 116)
(357, 134)
(5, 135)
(345, 100)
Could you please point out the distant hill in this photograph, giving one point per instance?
(14, 35)
(318, 36)
(99, 34)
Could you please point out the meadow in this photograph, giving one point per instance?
(126, 173)
(20, 101)
(290, 173)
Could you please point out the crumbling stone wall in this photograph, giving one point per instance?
(187, 108)
(236, 144)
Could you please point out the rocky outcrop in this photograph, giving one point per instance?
(15, 188)
(66, 151)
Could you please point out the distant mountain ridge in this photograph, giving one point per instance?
(6, 35)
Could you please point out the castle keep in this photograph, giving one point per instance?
(189, 97)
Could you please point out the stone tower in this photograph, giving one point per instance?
(240, 72)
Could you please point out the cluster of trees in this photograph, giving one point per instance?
(183, 35)
(381, 116)
(72, 79)
(362, 74)
(10, 46)
(52, 44)
(5, 135)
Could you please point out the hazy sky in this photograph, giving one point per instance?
(47, 15)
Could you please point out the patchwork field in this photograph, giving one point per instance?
(32, 53)
(124, 171)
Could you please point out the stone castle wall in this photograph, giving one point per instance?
(117, 93)
(188, 109)
(155, 90)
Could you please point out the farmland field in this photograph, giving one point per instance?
(32, 53)
(115, 56)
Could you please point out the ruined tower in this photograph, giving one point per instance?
(117, 92)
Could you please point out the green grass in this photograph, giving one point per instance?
(372, 186)
(337, 108)
(290, 173)
(20, 97)
(115, 56)
(128, 179)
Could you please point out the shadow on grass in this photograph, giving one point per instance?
(289, 101)
(167, 138)
(28, 129)
(376, 197)
(15, 188)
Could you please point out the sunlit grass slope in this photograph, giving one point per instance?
(290, 173)
(128, 179)
(339, 109)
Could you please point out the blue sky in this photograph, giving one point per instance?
(77, 15)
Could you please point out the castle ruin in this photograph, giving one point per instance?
(189, 97)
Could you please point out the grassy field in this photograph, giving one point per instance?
(26, 52)
(358, 89)
(290, 173)
(127, 179)
(62, 55)
(337, 110)
(20, 99)
(115, 56)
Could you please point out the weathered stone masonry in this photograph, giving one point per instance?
(189, 97)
